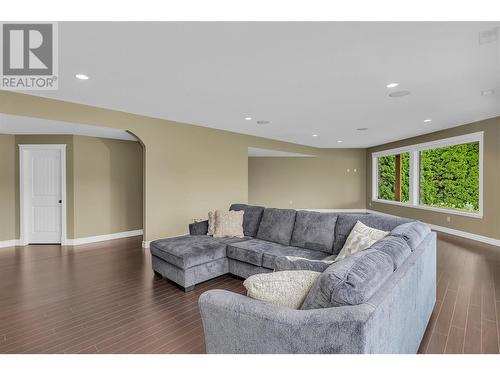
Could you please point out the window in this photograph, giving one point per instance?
(394, 177)
(444, 175)
(449, 177)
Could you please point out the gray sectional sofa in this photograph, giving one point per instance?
(377, 301)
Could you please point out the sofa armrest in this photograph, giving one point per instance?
(199, 228)
(234, 323)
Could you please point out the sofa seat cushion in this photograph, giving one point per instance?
(251, 218)
(189, 251)
(263, 253)
(351, 281)
(413, 233)
(277, 225)
(300, 264)
(314, 230)
(269, 258)
(345, 223)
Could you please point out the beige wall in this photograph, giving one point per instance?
(188, 169)
(319, 182)
(7, 188)
(107, 175)
(103, 184)
(489, 225)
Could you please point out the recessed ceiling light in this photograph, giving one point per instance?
(262, 122)
(248, 118)
(340, 141)
(392, 85)
(398, 94)
(82, 76)
(315, 135)
(427, 120)
(487, 92)
(362, 129)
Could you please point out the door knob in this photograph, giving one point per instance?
(60, 200)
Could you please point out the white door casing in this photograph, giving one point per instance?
(43, 193)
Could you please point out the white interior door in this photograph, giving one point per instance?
(42, 173)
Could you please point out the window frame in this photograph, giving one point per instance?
(414, 189)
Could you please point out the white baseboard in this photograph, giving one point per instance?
(470, 236)
(9, 243)
(455, 232)
(103, 237)
(83, 240)
(336, 210)
(145, 244)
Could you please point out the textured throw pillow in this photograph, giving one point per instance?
(229, 224)
(211, 223)
(284, 288)
(288, 263)
(352, 281)
(360, 238)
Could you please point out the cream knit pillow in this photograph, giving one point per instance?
(229, 224)
(211, 223)
(282, 288)
(360, 238)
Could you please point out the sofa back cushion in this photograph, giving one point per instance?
(413, 233)
(251, 218)
(395, 247)
(314, 231)
(345, 223)
(277, 225)
(351, 281)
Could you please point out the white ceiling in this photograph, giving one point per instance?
(305, 78)
(28, 125)
(262, 152)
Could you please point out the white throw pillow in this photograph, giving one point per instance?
(229, 224)
(211, 223)
(282, 288)
(360, 238)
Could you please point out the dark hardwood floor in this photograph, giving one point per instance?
(466, 316)
(103, 298)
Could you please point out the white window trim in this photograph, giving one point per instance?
(414, 151)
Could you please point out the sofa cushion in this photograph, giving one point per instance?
(263, 253)
(211, 223)
(269, 258)
(250, 251)
(277, 225)
(289, 263)
(345, 223)
(351, 281)
(314, 230)
(251, 218)
(198, 228)
(229, 224)
(395, 247)
(413, 233)
(286, 288)
(188, 251)
(360, 238)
